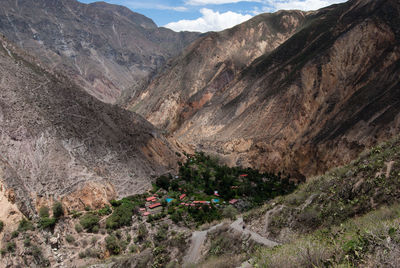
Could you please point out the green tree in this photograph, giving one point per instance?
(58, 210)
(89, 221)
(113, 244)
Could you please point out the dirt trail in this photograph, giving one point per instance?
(238, 226)
(198, 238)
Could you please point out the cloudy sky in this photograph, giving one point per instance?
(211, 15)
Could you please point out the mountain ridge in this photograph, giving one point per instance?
(105, 48)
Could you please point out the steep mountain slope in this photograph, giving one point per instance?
(58, 142)
(105, 48)
(210, 64)
(314, 102)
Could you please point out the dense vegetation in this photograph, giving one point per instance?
(202, 175)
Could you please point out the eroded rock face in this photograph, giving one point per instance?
(59, 143)
(309, 103)
(207, 66)
(105, 48)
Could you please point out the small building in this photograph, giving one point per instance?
(182, 196)
(243, 175)
(233, 201)
(146, 213)
(142, 209)
(154, 205)
(151, 199)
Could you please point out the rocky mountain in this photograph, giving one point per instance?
(322, 87)
(105, 48)
(60, 143)
(209, 65)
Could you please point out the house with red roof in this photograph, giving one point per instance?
(154, 205)
(182, 196)
(233, 201)
(151, 199)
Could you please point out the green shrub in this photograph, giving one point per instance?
(1, 226)
(44, 212)
(76, 214)
(104, 211)
(27, 242)
(89, 221)
(113, 245)
(95, 229)
(58, 210)
(45, 223)
(11, 246)
(14, 234)
(25, 225)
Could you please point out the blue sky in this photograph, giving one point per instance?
(211, 15)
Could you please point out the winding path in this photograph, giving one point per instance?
(198, 238)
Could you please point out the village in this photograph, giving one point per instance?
(154, 203)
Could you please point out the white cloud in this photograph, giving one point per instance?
(303, 5)
(209, 21)
(216, 2)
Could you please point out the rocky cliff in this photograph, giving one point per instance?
(60, 143)
(105, 48)
(207, 66)
(314, 99)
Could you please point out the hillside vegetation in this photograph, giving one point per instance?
(348, 216)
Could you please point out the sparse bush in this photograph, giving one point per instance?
(82, 254)
(44, 212)
(1, 226)
(78, 228)
(142, 232)
(229, 212)
(25, 225)
(70, 239)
